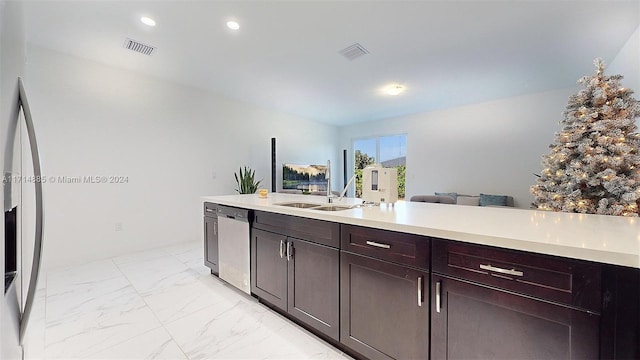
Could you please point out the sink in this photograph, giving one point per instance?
(299, 205)
(316, 206)
(333, 207)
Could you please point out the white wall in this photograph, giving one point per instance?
(492, 148)
(168, 139)
(12, 65)
(12, 50)
(627, 64)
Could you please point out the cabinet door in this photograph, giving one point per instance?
(476, 322)
(383, 312)
(314, 285)
(269, 267)
(211, 243)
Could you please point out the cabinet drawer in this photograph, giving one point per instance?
(566, 281)
(406, 249)
(318, 231)
(210, 209)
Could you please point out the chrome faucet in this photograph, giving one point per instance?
(327, 176)
(330, 195)
(344, 191)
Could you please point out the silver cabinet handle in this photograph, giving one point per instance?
(513, 272)
(377, 244)
(281, 249)
(289, 250)
(209, 210)
(420, 291)
(438, 299)
(215, 228)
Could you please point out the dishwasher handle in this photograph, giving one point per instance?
(233, 213)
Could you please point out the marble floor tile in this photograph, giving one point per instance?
(159, 304)
(279, 338)
(245, 329)
(140, 256)
(186, 249)
(190, 254)
(85, 303)
(180, 300)
(100, 296)
(153, 345)
(64, 279)
(197, 265)
(157, 274)
(230, 330)
(303, 344)
(96, 332)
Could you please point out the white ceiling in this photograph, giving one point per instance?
(285, 55)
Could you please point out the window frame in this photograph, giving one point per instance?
(377, 154)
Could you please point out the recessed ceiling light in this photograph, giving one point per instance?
(148, 21)
(233, 25)
(394, 89)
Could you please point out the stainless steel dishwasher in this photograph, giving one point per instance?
(233, 247)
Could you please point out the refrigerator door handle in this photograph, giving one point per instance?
(37, 250)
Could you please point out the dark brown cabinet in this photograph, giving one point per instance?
(384, 303)
(313, 281)
(389, 295)
(502, 304)
(297, 276)
(211, 238)
(471, 321)
(269, 267)
(620, 325)
(385, 309)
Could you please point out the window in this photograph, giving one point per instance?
(389, 151)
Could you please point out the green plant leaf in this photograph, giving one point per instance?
(245, 180)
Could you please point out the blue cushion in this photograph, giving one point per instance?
(493, 200)
(452, 194)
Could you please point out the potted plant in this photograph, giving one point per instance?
(246, 181)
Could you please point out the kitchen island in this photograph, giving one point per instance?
(541, 284)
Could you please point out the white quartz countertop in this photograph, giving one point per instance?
(605, 239)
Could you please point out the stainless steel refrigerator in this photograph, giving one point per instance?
(22, 246)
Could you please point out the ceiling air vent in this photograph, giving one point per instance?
(139, 47)
(354, 51)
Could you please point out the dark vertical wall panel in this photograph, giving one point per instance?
(273, 164)
(344, 168)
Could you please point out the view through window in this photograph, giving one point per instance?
(389, 151)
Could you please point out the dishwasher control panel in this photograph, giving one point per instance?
(233, 213)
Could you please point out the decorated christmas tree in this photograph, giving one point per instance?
(594, 163)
